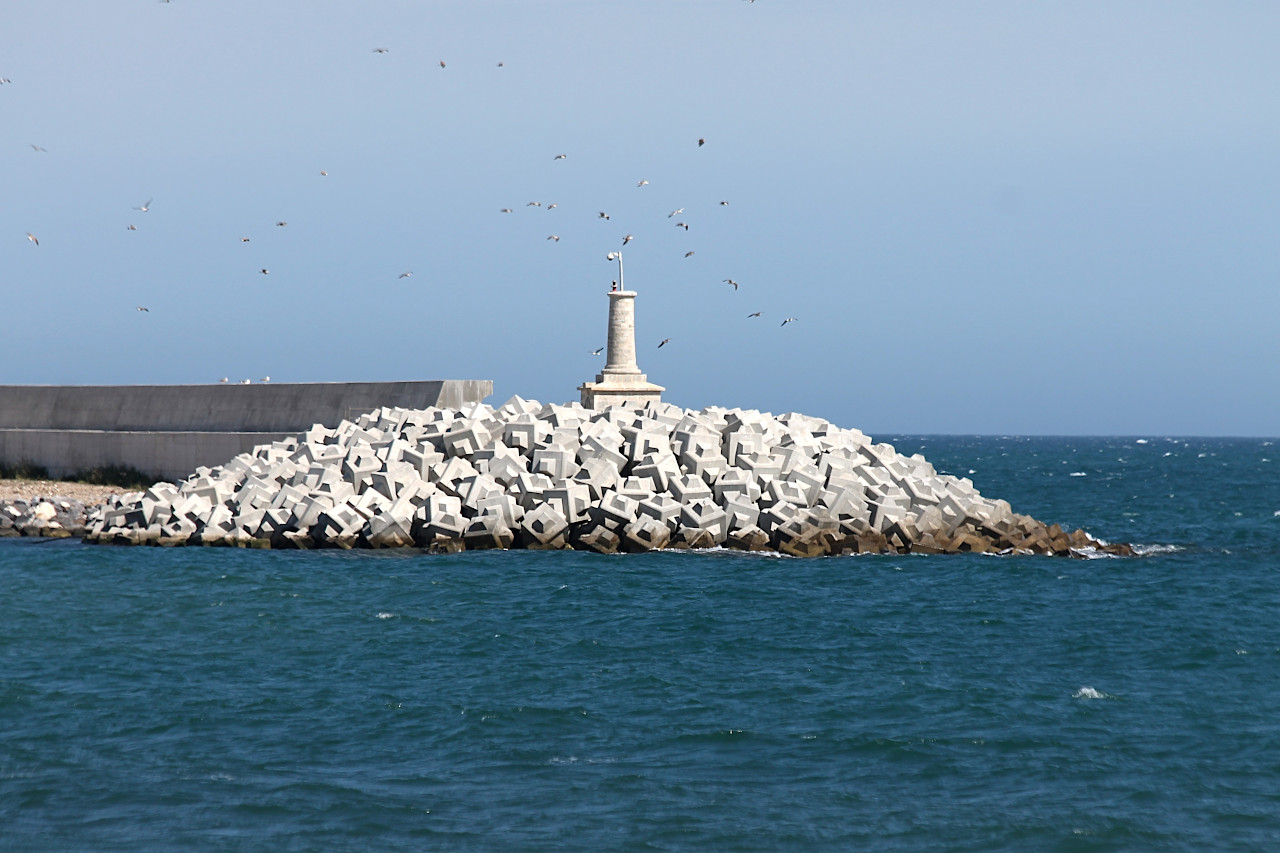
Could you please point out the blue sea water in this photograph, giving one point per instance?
(212, 699)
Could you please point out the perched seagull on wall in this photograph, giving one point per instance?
(627, 239)
(597, 351)
(602, 215)
(684, 225)
(140, 308)
(642, 183)
(560, 157)
(246, 382)
(32, 238)
(405, 274)
(224, 380)
(757, 314)
(146, 205)
(688, 253)
(665, 341)
(788, 320)
(555, 237)
(505, 210)
(731, 281)
(265, 379)
(676, 212)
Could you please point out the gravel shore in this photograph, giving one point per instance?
(26, 490)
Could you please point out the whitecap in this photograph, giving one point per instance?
(1141, 441)
(385, 615)
(1078, 474)
(1148, 550)
(1089, 693)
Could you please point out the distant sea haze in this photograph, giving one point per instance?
(214, 699)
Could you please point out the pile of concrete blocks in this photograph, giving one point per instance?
(46, 517)
(621, 479)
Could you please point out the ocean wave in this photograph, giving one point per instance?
(1089, 693)
(1149, 550)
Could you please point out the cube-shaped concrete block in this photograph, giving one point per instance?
(465, 437)
(763, 467)
(776, 515)
(806, 477)
(308, 511)
(748, 539)
(473, 489)
(487, 532)
(704, 514)
(543, 527)
(594, 447)
(662, 508)
(505, 469)
(735, 481)
(387, 531)
(741, 512)
(645, 534)
(594, 537)
(570, 500)
(617, 510)
(661, 468)
(704, 462)
(558, 463)
(528, 489)
(688, 488)
(449, 475)
(599, 475)
(780, 491)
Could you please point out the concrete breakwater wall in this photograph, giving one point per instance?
(170, 430)
(549, 477)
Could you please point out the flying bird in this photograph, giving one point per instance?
(684, 225)
(265, 272)
(32, 238)
(675, 213)
(131, 227)
(602, 215)
(688, 253)
(146, 205)
(505, 210)
(35, 147)
(701, 142)
(627, 239)
(560, 157)
(665, 341)
(500, 64)
(534, 204)
(406, 274)
(442, 63)
(642, 183)
(140, 308)
(379, 50)
(788, 320)
(552, 206)
(734, 283)
(323, 173)
(597, 351)
(554, 237)
(244, 239)
(757, 314)
(724, 204)
(281, 224)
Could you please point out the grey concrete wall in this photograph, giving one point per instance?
(275, 407)
(170, 430)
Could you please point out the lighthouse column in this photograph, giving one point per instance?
(620, 382)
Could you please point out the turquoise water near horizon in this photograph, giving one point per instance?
(214, 699)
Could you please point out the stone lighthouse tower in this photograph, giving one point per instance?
(621, 381)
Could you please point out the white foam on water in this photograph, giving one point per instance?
(1089, 693)
(1141, 441)
(1148, 550)
(1078, 474)
(385, 615)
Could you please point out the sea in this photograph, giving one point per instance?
(231, 700)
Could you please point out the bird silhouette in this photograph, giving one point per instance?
(560, 157)
(665, 341)
(32, 238)
(684, 225)
(323, 173)
(602, 215)
(140, 308)
(405, 274)
(265, 272)
(534, 204)
(442, 63)
(724, 204)
(505, 210)
(627, 239)
(597, 351)
(146, 205)
(757, 314)
(554, 237)
(37, 148)
(788, 320)
(676, 212)
(244, 239)
(552, 206)
(642, 183)
(281, 224)
(734, 283)
(688, 254)
(131, 227)
(379, 50)
(701, 142)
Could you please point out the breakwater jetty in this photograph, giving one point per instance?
(619, 478)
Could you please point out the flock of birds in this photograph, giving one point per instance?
(604, 216)
(145, 207)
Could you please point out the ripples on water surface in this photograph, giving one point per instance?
(235, 700)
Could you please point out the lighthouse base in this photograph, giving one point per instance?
(619, 389)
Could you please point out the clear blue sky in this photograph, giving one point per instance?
(990, 217)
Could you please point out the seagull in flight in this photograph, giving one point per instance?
(731, 281)
(281, 224)
(757, 314)
(724, 204)
(642, 183)
(702, 142)
(442, 63)
(140, 308)
(788, 320)
(665, 341)
(560, 157)
(534, 204)
(554, 237)
(265, 271)
(505, 210)
(602, 215)
(37, 148)
(244, 239)
(379, 50)
(675, 213)
(131, 227)
(146, 205)
(552, 206)
(627, 239)
(684, 225)
(597, 351)
(32, 238)
(688, 253)
(323, 173)
(406, 274)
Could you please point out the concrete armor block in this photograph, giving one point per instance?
(543, 527)
(645, 534)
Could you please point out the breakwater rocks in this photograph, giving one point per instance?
(47, 517)
(527, 475)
